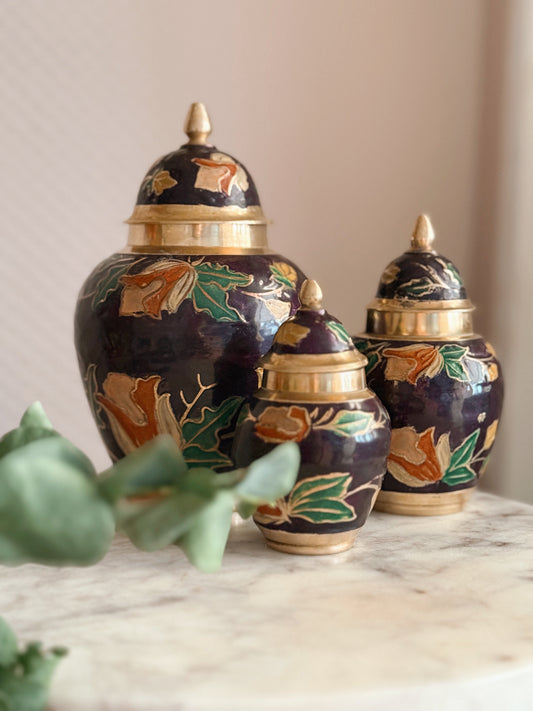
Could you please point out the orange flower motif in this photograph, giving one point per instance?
(283, 424)
(161, 287)
(218, 173)
(411, 362)
(136, 411)
(414, 459)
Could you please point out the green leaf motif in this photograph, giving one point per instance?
(280, 277)
(110, 281)
(423, 286)
(324, 511)
(453, 361)
(461, 475)
(347, 423)
(339, 331)
(453, 352)
(335, 485)
(459, 470)
(202, 435)
(210, 293)
(463, 454)
(321, 499)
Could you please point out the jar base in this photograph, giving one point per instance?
(308, 543)
(408, 504)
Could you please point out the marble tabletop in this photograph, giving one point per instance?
(423, 613)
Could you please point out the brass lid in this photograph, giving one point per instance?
(197, 196)
(313, 358)
(421, 295)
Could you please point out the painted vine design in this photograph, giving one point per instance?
(416, 460)
(319, 500)
(165, 284)
(434, 280)
(293, 423)
(421, 360)
(137, 412)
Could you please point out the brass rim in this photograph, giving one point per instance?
(240, 237)
(187, 214)
(313, 377)
(308, 543)
(408, 504)
(421, 320)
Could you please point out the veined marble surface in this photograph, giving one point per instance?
(423, 613)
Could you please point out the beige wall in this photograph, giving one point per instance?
(352, 116)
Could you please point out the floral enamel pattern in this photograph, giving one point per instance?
(319, 500)
(219, 173)
(158, 182)
(437, 276)
(137, 412)
(416, 460)
(421, 360)
(339, 331)
(293, 423)
(164, 285)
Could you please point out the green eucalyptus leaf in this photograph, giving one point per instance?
(151, 526)
(157, 464)
(21, 437)
(35, 416)
(8, 644)
(205, 541)
(50, 511)
(24, 687)
(245, 509)
(272, 476)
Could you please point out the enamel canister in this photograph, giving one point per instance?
(440, 381)
(169, 330)
(314, 393)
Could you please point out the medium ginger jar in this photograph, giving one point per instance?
(440, 382)
(170, 329)
(314, 393)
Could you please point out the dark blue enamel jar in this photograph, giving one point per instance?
(170, 330)
(440, 382)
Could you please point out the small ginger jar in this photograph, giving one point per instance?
(314, 392)
(440, 382)
(169, 330)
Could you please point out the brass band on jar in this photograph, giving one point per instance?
(199, 238)
(435, 320)
(329, 377)
(198, 229)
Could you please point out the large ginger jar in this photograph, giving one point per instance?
(169, 330)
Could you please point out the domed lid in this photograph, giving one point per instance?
(197, 195)
(421, 294)
(313, 357)
(421, 274)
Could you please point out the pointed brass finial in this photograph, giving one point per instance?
(311, 295)
(197, 124)
(423, 235)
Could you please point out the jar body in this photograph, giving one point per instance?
(444, 399)
(343, 449)
(169, 343)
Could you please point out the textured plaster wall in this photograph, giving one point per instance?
(352, 116)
